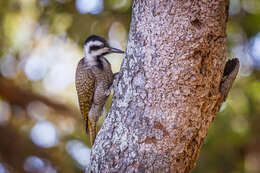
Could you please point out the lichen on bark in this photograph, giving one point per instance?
(171, 84)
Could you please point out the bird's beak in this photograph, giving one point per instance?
(115, 50)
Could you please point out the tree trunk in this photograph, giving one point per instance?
(171, 84)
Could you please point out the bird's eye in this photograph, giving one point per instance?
(96, 47)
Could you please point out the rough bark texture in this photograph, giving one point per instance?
(172, 83)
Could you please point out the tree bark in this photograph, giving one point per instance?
(171, 84)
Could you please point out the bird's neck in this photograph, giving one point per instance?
(95, 61)
(90, 60)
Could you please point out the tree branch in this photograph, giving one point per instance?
(15, 95)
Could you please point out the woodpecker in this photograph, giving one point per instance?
(94, 79)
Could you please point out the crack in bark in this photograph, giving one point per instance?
(196, 23)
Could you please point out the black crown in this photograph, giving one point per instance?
(96, 38)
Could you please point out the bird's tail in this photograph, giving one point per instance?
(92, 129)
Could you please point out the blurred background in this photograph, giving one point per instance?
(40, 45)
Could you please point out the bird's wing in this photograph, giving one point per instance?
(85, 85)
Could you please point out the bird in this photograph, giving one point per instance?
(94, 81)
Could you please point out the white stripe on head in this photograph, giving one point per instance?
(92, 43)
(90, 56)
(95, 42)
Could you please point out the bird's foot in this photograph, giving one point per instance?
(116, 79)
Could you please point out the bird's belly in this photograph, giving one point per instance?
(100, 95)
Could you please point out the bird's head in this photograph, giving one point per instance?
(95, 47)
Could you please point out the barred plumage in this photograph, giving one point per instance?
(94, 79)
(85, 85)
